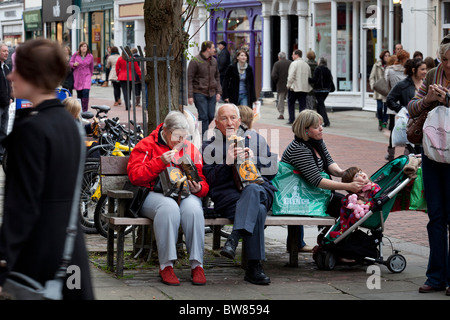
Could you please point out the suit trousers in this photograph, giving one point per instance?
(4, 118)
(249, 215)
(167, 217)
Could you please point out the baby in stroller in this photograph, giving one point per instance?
(355, 206)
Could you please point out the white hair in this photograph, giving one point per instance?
(175, 120)
(227, 104)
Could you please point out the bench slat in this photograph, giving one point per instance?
(281, 221)
(113, 165)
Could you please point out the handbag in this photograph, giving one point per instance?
(22, 287)
(296, 196)
(436, 135)
(381, 86)
(139, 195)
(414, 128)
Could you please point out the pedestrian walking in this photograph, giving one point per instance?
(223, 60)
(125, 78)
(239, 83)
(280, 73)
(204, 89)
(310, 97)
(376, 74)
(44, 154)
(111, 64)
(297, 84)
(393, 75)
(322, 81)
(68, 81)
(5, 96)
(82, 63)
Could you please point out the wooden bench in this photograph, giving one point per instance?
(113, 177)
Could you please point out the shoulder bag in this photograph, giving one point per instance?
(381, 86)
(22, 287)
(414, 127)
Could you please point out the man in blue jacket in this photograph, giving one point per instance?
(247, 207)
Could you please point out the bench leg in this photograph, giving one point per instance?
(120, 250)
(216, 237)
(292, 245)
(110, 248)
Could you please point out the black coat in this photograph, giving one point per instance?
(230, 87)
(401, 94)
(322, 79)
(43, 158)
(5, 87)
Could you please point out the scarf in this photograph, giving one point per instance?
(316, 145)
(242, 69)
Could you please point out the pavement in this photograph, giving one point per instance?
(352, 139)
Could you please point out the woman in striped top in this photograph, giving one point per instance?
(436, 177)
(309, 155)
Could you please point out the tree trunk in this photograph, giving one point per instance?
(163, 27)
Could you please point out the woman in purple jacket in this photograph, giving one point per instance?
(82, 63)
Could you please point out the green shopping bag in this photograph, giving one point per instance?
(296, 196)
(417, 199)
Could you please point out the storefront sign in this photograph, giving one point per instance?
(56, 10)
(32, 20)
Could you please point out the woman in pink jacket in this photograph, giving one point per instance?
(82, 63)
(126, 80)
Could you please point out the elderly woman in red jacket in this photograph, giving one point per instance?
(162, 148)
(125, 78)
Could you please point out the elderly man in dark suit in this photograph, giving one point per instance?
(5, 96)
(280, 72)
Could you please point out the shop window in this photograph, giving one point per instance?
(128, 34)
(344, 58)
(323, 31)
(446, 18)
(238, 21)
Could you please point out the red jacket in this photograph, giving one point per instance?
(145, 162)
(121, 70)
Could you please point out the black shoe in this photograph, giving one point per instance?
(255, 273)
(289, 122)
(229, 249)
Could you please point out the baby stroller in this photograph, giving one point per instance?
(363, 246)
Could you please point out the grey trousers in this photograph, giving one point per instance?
(167, 216)
(280, 104)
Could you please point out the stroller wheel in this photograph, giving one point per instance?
(320, 259)
(330, 260)
(396, 263)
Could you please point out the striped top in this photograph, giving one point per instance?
(417, 104)
(300, 156)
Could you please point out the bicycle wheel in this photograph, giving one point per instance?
(101, 224)
(90, 188)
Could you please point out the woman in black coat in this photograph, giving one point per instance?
(43, 158)
(239, 82)
(322, 82)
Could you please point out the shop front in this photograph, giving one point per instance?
(239, 24)
(11, 23)
(97, 29)
(55, 16)
(32, 21)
